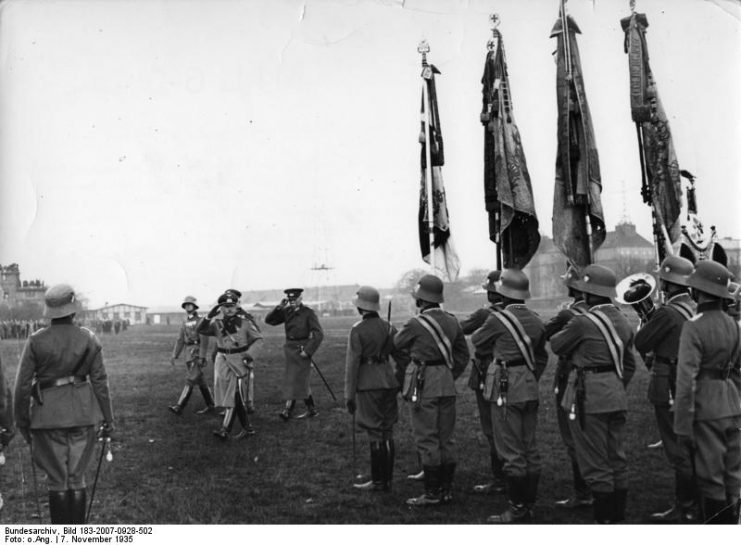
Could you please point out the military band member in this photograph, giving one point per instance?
(582, 496)
(660, 336)
(707, 406)
(372, 383)
(439, 354)
(600, 346)
(480, 365)
(515, 336)
(61, 396)
(238, 343)
(190, 339)
(304, 334)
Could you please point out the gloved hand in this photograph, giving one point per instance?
(350, 404)
(213, 312)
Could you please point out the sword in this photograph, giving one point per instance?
(105, 451)
(324, 380)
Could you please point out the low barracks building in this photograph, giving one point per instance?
(121, 311)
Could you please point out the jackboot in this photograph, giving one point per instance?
(377, 483)
(685, 509)
(244, 421)
(517, 512)
(619, 502)
(208, 398)
(58, 507)
(532, 490)
(76, 503)
(287, 412)
(182, 400)
(447, 471)
(497, 484)
(602, 507)
(432, 495)
(389, 454)
(226, 426)
(714, 511)
(310, 411)
(582, 495)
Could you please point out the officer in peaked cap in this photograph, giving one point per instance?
(190, 339)
(599, 344)
(515, 336)
(439, 354)
(481, 362)
(582, 496)
(238, 344)
(304, 335)
(707, 406)
(60, 399)
(659, 336)
(371, 385)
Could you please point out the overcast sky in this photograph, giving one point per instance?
(153, 149)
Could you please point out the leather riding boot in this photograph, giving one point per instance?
(390, 452)
(226, 426)
(602, 507)
(714, 511)
(517, 512)
(619, 502)
(76, 503)
(532, 489)
(446, 481)
(208, 398)
(376, 484)
(58, 507)
(244, 420)
(182, 401)
(432, 495)
(287, 412)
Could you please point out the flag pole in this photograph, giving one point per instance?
(491, 45)
(423, 48)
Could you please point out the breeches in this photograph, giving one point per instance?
(718, 457)
(433, 422)
(378, 411)
(565, 430)
(678, 456)
(64, 455)
(600, 450)
(514, 436)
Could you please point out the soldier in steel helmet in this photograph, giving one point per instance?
(371, 385)
(707, 405)
(238, 344)
(600, 346)
(515, 336)
(731, 304)
(304, 334)
(659, 336)
(439, 354)
(582, 496)
(480, 365)
(61, 397)
(190, 339)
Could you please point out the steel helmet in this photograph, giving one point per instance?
(513, 284)
(676, 270)
(367, 298)
(571, 278)
(189, 300)
(429, 288)
(491, 280)
(711, 278)
(598, 280)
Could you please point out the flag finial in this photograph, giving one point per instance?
(494, 21)
(423, 48)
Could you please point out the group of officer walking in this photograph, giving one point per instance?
(691, 345)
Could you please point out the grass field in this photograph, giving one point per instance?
(170, 470)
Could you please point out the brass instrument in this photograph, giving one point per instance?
(637, 290)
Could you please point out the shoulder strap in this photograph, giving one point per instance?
(683, 308)
(443, 343)
(614, 344)
(522, 339)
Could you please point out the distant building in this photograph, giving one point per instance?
(732, 246)
(121, 311)
(624, 251)
(14, 291)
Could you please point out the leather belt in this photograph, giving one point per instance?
(666, 361)
(53, 383)
(231, 350)
(716, 374)
(598, 369)
(294, 339)
(510, 363)
(431, 363)
(373, 360)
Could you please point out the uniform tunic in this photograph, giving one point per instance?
(63, 427)
(515, 421)
(563, 369)
(190, 339)
(600, 448)
(237, 347)
(303, 332)
(433, 419)
(6, 408)
(660, 335)
(708, 405)
(370, 376)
